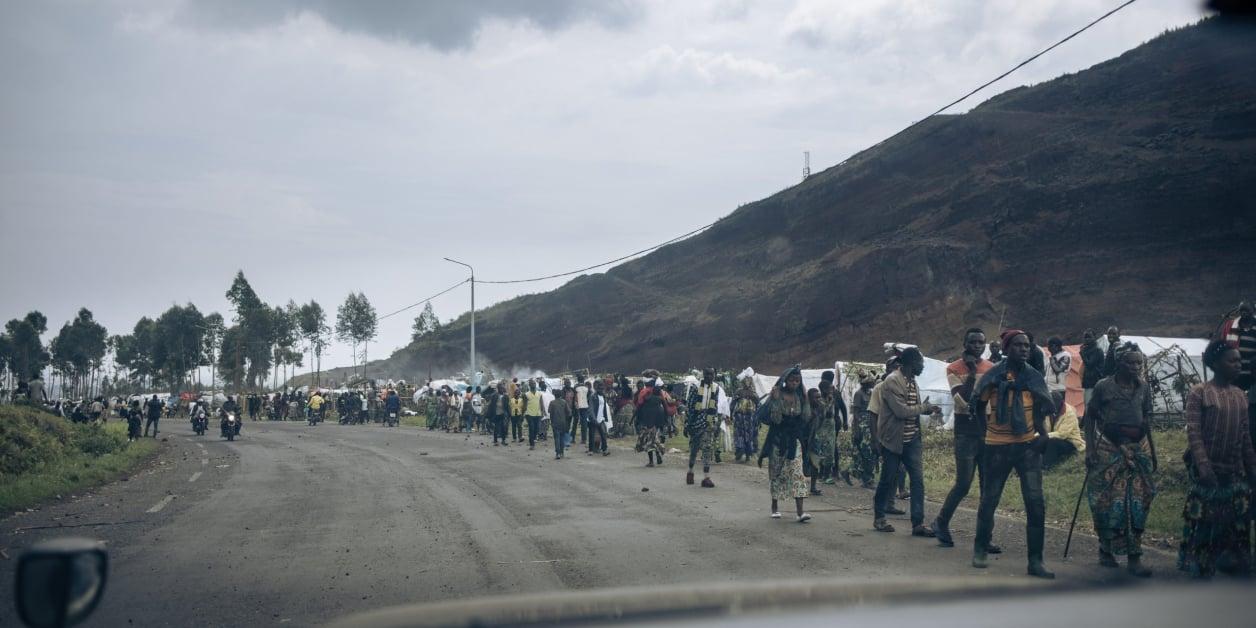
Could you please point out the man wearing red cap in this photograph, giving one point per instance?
(1012, 397)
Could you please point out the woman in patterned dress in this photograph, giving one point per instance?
(745, 425)
(1121, 458)
(788, 413)
(1222, 464)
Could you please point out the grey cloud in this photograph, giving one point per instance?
(445, 25)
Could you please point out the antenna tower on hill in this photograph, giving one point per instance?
(806, 164)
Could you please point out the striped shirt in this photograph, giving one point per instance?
(1216, 428)
(911, 424)
(997, 434)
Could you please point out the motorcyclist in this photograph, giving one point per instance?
(230, 407)
(198, 413)
(392, 405)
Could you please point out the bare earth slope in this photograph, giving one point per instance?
(1119, 194)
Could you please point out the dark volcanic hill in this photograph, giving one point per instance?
(1121, 194)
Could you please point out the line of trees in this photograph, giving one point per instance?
(260, 341)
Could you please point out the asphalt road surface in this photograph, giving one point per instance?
(300, 525)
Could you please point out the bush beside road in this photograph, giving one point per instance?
(43, 455)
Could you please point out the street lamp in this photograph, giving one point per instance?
(473, 378)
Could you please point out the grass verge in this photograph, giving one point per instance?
(1062, 484)
(43, 456)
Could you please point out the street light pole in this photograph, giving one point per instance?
(473, 378)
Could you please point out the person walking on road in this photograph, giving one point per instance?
(498, 408)
(516, 414)
(787, 413)
(133, 417)
(560, 414)
(1222, 467)
(582, 410)
(828, 415)
(651, 418)
(1013, 398)
(702, 424)
(153, 408)
(745, 425)
(534, 410)
(1121, 458)
(600, 421)
(969, 433)
(863, 440)
(898, 433)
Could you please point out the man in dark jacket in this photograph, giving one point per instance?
(1092, 363)
(497, 409)
(392, 406)
(153, 410)
(560, 422)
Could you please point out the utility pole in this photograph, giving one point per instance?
(473, 378)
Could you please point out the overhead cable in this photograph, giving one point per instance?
(905, 129)
(414, 305)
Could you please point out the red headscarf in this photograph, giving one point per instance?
(1007, 337)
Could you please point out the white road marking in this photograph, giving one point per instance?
(165, 501)
(194, 476)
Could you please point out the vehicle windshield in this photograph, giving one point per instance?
(562, 311)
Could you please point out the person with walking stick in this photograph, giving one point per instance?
(1120, 460)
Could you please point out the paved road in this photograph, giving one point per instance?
(299, 525)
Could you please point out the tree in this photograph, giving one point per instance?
(78, 350)
(211, 343)
(312, 322)
(178, 338)
(27, 356)
(230, 365)
(134, 352)
(283, 335)
(255, 336)
(425, 323)
(356, 322)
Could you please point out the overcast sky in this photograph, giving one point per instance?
(151, 149)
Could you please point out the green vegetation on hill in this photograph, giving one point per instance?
(43, 455)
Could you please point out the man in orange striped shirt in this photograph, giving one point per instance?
(969, 432)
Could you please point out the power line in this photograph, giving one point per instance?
(1025, 62)
(414, 305)
(904, 130)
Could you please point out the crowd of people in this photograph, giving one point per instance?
(1010, 414)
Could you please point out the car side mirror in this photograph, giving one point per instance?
(59, 582)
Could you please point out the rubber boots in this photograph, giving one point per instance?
(1035, 540)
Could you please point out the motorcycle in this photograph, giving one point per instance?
(230, 426)
(200, 424)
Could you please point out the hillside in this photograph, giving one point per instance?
(1113, 195)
